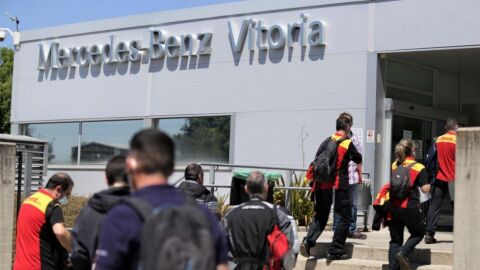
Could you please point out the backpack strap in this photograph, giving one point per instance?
(140, 206)
(410, 166)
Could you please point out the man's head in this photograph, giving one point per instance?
(348, 118)
(151, 158)
(452, 124)
(343, 124)
(116, 171)
(194, 172)
(60, 185)
(256, 184)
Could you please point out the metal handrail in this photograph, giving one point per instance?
(214, 167)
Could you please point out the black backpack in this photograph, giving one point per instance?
(174, 237)
(325, 163)
(400, 182)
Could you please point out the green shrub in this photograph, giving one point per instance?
(72, 209)
(301, 206)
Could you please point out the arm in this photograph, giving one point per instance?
(55, 217)
(84, 240)
(422, 181)
(285, 225)
(63, 236)
(354, 155)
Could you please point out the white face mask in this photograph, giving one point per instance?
(63, 200)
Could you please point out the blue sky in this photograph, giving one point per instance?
(45, 13)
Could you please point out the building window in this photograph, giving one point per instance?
(99, 141)
(199, 139)
(61, 137)
(102, 140)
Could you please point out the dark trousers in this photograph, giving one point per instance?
(323, 203)
(401, 218)
(353, 222)
(439, 191)
(343, 207)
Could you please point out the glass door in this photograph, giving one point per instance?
(418, 130)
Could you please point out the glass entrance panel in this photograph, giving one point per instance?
(418, 130)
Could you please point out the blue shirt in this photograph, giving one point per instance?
(120, 235)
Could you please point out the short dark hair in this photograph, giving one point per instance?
(342, 124)
(348, 116)
(193, 172)
(255, 183)
(60, 179)
(116, 170)
(451, 124)
(154, 151)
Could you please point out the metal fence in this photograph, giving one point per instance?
(212, 168)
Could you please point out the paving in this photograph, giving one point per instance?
(372, 253)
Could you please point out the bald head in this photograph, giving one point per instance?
(256, 184)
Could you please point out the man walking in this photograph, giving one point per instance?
(123, 245)
(323, 193)
(248, 225)
(445, 177)
(354, 179)
(193, 187)
(86, 231)
(42, 239)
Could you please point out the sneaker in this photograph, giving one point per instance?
(336, 257)
(305, 249)
(403, 261)
(430, 239)
(357, 235)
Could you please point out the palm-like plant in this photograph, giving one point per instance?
(301, 207)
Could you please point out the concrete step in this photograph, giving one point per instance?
(365, 252)
(356, 264)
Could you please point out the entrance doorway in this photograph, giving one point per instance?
(424, 88)
(417, 129)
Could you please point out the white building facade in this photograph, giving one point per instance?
(261, 82)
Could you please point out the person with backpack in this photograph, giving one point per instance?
(260, 234)
(407, 176)
(157, 227)
(445, 176)
(193, 187)
(87, 227)
(329, 171)
(354, 179)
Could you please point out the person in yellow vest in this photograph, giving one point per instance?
(42, 241)
(446, 145)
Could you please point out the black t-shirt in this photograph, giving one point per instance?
(53, 255)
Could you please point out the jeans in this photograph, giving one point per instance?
(353, 223)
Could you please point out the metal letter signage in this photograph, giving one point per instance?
(161, 45)
(276, 36)
(255, 33)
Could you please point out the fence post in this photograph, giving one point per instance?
(211, 176)
(466, 235)
(28, 174)
(7, 199)
(287, 192)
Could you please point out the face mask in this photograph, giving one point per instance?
(63, 200)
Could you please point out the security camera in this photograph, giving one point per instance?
(3, 35)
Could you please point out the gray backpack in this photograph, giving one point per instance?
(174, 237)
(400, 182)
